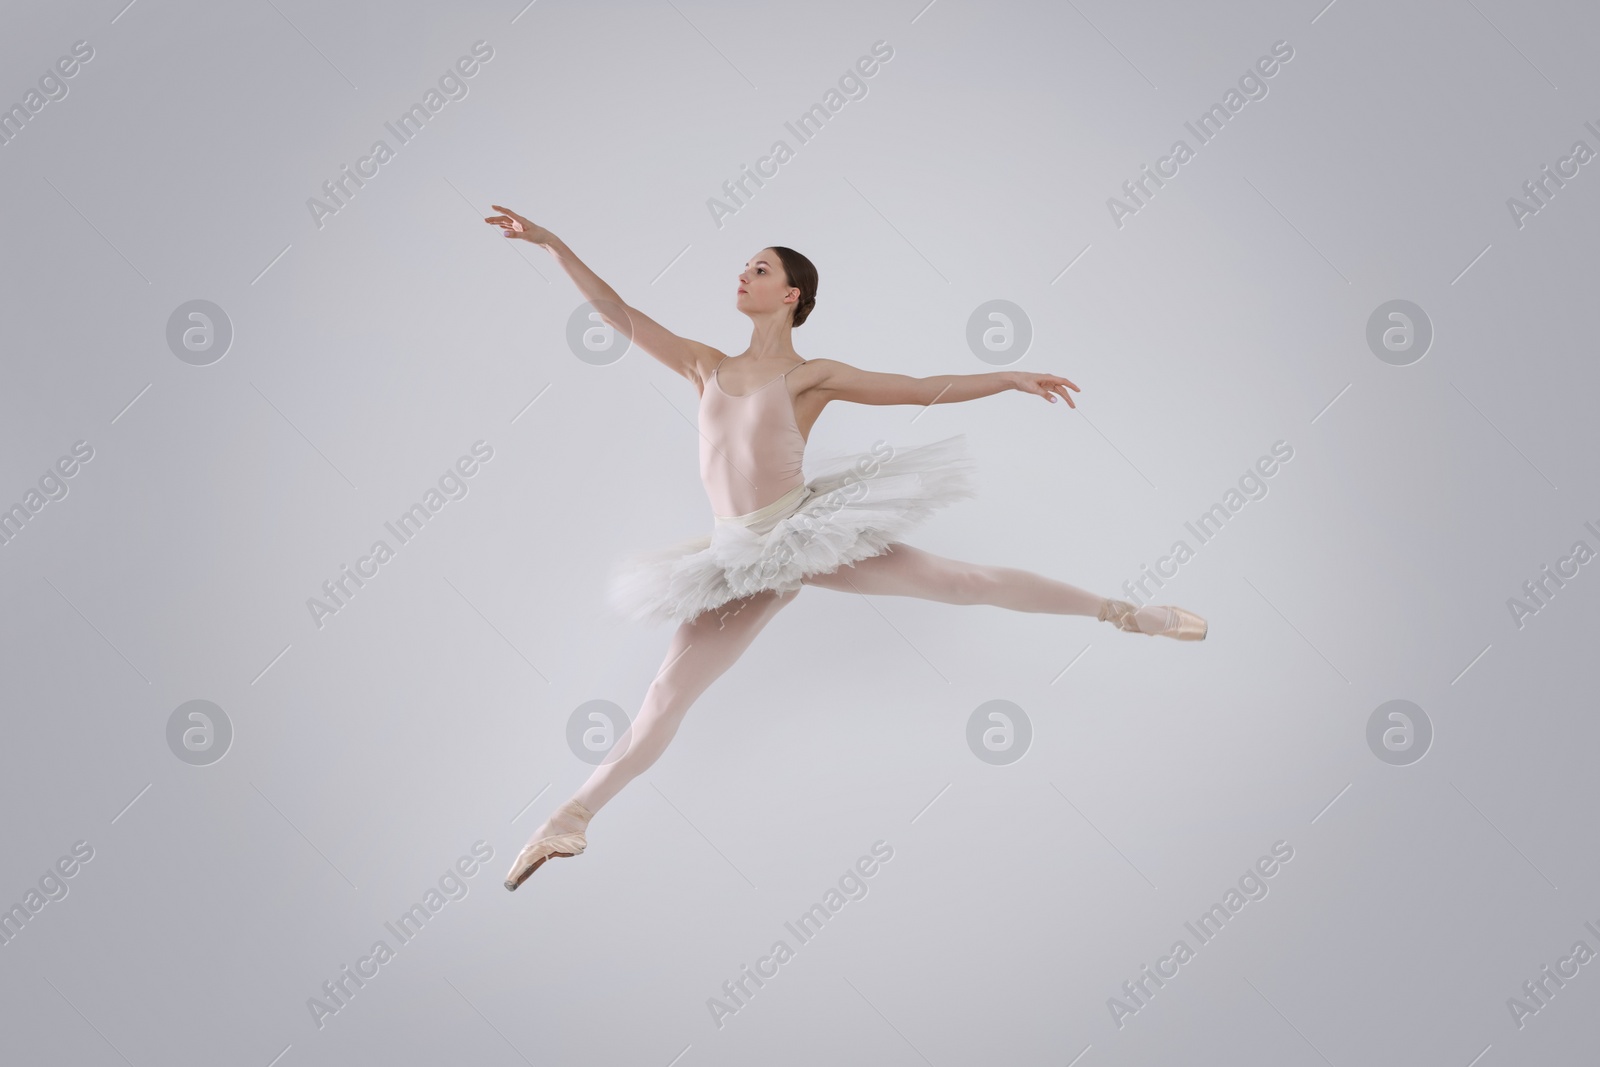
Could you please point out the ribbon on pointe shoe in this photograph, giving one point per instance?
(563, 845)
(1182, 625)
(1120, 614)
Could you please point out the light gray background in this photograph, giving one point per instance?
(369, 354)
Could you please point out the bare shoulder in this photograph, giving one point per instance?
(825, 376)
(703, 359)
(819, 373)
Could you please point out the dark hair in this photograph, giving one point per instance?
(802, 274)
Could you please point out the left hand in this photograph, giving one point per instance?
(1046, 385)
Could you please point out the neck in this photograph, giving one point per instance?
(771, 337)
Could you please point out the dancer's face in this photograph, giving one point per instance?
(764, 287)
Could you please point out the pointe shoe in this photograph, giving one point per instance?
(1186, 625)
(563, 845)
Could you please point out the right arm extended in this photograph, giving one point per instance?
(685, 357)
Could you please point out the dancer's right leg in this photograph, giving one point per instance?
(700, 652)
(905, 570)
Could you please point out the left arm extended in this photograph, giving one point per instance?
(841, 381)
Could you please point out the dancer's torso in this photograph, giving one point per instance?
(751, 445)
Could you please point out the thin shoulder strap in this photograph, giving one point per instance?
(797, 366)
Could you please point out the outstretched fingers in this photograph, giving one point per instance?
(510, 223)
(1051, 386)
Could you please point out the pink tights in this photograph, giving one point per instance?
(705, 647)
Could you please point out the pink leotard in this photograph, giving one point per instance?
(751, 448)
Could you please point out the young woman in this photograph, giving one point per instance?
(775, 530)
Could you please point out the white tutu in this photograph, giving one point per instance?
(856, 506)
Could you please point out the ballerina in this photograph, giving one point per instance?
(776, 531)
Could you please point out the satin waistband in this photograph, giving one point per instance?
(785, 504)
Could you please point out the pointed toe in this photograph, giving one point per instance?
(557, 846)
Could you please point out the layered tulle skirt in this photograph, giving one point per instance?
(855, 506)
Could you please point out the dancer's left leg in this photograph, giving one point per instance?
(908, 571)
(701, 651)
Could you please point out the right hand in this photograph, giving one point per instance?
(1048, 386)
(516, 226)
